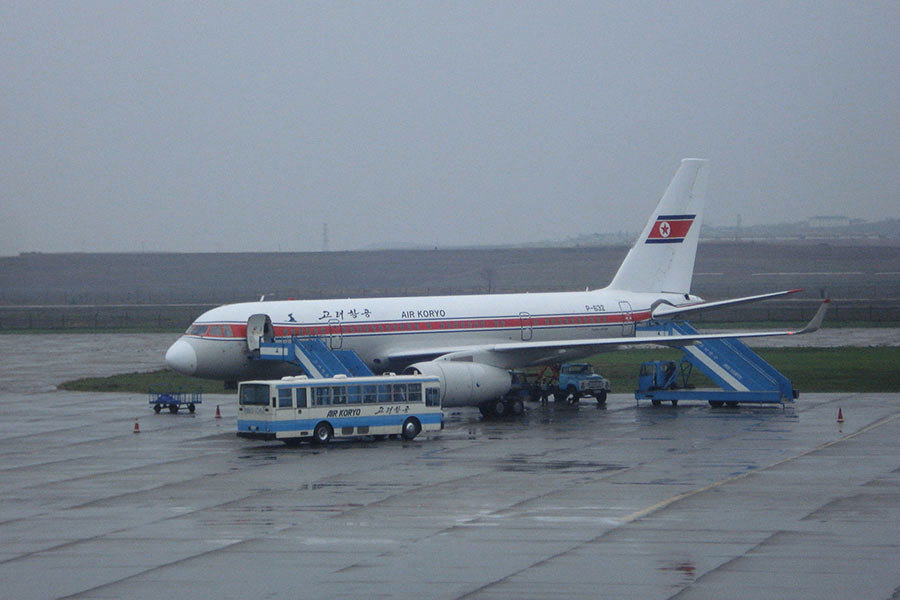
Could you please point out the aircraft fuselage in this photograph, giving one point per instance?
(389, 333)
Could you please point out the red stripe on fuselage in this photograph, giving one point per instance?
(239, 331)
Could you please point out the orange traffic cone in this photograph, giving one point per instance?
(137, 428)
(840, 416)
(218, 414)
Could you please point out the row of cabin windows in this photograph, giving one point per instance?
(355, 394)
(414, 326)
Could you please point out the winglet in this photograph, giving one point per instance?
(817, 319)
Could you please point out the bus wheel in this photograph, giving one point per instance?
(411, 429)
(322, 433)
(191, 407)
(157, 408)
(173, 408)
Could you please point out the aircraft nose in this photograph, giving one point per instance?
(181, 357)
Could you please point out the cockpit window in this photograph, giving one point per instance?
(197, 330)
(214, 331)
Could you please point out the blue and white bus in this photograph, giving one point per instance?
(293, 409)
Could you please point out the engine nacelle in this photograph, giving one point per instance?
(465, 383)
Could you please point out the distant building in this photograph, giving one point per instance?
(826, 221)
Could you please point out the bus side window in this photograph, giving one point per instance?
(323, 396)
(415, 392)
(354, 395)
(301, 397)
(384, 393)
(399, 392)
(284, 398)
(339, 395)
(369, 396)
(432, 396)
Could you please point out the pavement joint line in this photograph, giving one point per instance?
(716, 484)
(672, 500)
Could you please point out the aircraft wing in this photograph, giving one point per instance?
(667, 310)
(518, 354)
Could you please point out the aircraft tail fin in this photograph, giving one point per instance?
(662, 259)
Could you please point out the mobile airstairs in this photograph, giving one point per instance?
(743, 376)
(314, 357)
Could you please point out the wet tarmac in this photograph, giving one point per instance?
(623, 502)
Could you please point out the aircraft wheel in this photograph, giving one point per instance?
(601, 398)
(322, 433)
(157, 408)
(516, 407)
(498, 407)
(173, 408)
(411, 429)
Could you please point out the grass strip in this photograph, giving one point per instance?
(847, 369)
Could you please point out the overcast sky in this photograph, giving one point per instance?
(160, 126)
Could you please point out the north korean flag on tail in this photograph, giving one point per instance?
(670, 229)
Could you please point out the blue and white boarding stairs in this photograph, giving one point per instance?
(314, 357)
(741, 373)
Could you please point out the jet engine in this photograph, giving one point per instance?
(465, 383)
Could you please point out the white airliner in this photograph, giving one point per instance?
(473, 341)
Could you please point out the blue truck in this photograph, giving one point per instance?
(578, 380)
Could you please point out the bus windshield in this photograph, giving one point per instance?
(254, 394)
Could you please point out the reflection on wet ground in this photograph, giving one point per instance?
(629, 501)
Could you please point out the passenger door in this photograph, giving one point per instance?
(527, 326)
(335, 334)
(259, 329)
(627, 318)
